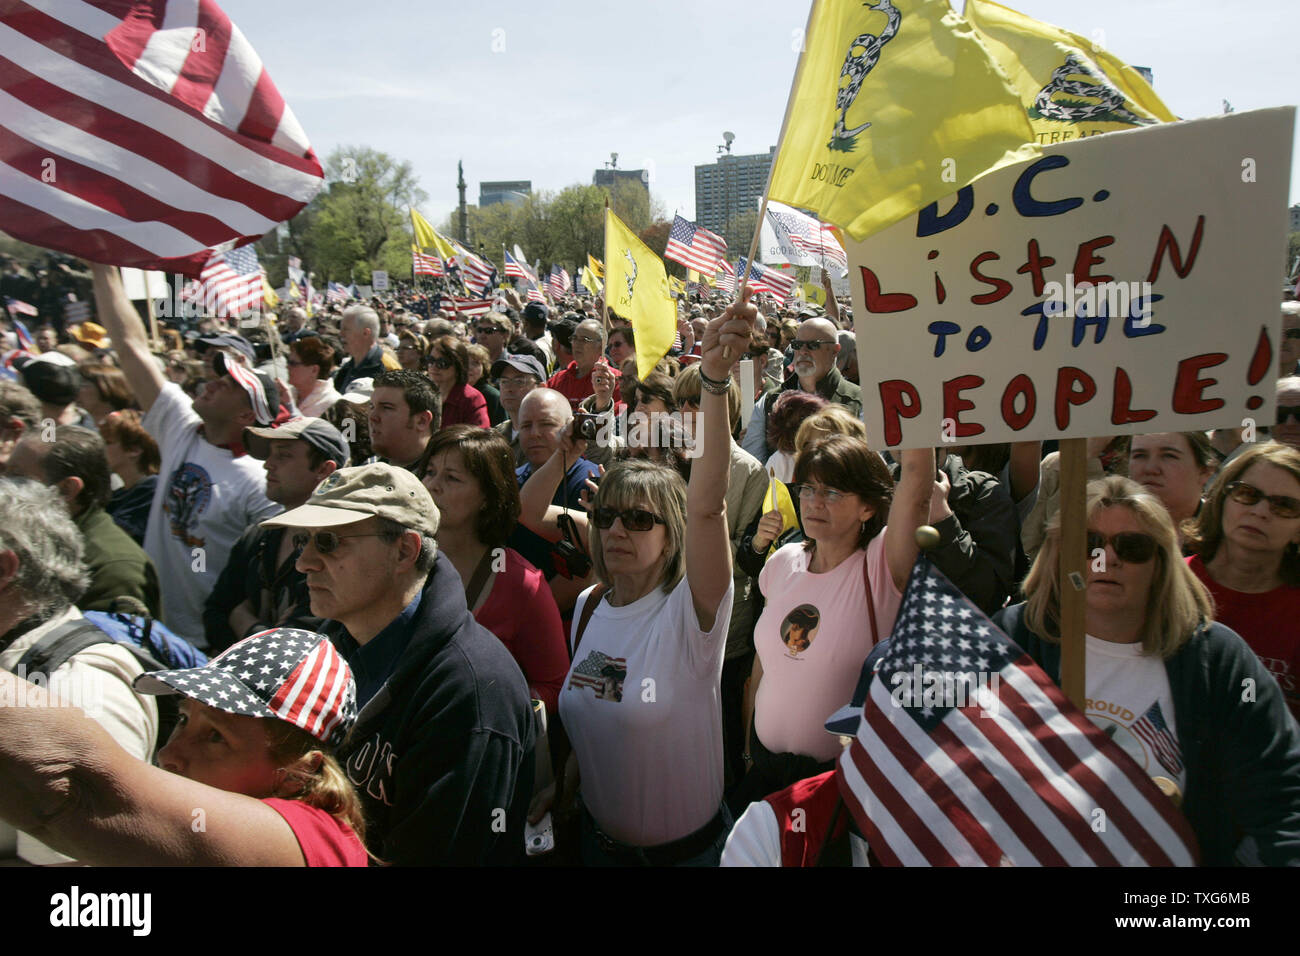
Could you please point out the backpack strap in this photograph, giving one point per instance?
(59, 646)
(871, 603)
(588, 609)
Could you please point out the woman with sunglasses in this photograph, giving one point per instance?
(642, 703)
(1183, 695)
(448, 368)
(1244, 547)
(252, 750)
(848, 575)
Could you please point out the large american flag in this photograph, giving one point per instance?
(516, 269)
(809, 237)
(998, 768)
(763, 279)
(230, 284)
(694, 246)
(144, 133)
(476, 273)
(468, 308)
(425, 265)
(726, 276)
(336, 293)
(559, 282)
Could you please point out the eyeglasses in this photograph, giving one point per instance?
(1282, 506)
(520, 381)
(811, 345)
(829, 495)
(1285, 412)
(486, 330)
(1131, 547)
(441, 362)
(327, 542)
(634, 519)
(293, 363)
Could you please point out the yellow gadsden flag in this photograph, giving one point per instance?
(596, 266)
(778, 498)
(1068, 85)
(269, 295)
(636, 287)
(428, 239)
(589, 280)
(896, 103)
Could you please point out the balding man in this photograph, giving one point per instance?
(360, 333)
(815, 347)
(588, 345)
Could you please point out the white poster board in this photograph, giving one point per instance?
(379, 280)
(1166, 247)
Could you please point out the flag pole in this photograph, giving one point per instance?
(604, 289)
(780, 142)
(1072, 570)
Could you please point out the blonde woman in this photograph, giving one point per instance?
(1184, 696)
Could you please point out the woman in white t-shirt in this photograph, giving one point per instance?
(830, 599)
(641, 703)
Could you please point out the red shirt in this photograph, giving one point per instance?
(323, 839)
(521, 612)
(567, 383)
(1268, 622)
(465, 405)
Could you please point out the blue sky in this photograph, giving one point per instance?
(546, 91)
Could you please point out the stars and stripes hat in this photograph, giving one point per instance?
(263, 393)
(291, 674)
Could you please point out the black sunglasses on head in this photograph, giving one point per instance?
(1131, 547)
(327, 542)
(634, 519)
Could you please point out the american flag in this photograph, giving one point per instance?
(726, 276)
(694, 246)
(597, 670)
(1011, 775)
(808, 236)
(470, 308)
(559, 282)
(231, 283)
(425, 265)
(763, 279)
(18, 307)
(336, 293)
(164, 133)
(516, 269)
(74, 310)
(1155, 733)
(25, 341)
(475, 272)
(534, 294)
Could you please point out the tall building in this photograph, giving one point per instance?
(732, 185)
(515, 190)
(1295, 218)
(608, 177)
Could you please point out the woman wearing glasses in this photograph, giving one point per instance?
(448, 368)
(1181, 694)
(1244, 548)
(642, 703)
(847, 576)
(411, 350)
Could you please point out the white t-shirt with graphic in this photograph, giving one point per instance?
(812, 638)
(642, 706)
(205, 499)
(1128, 697)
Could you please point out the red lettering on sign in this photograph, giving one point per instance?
(1001, 287)
(898, 399)
(1120, 413)
(1067, 394)
(1167, 243)
(883, 302)
(1188, 385)
(1085, 260)
(1022, 384)
(1035, 263)
(954, 404)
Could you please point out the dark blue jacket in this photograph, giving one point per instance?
(1242, 796)
(442, 755)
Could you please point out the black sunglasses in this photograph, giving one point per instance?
(1131, 547)
(811, 345)
(486, 330)
(1287, 411)
(634, 519)
(1291, 334)
(327, 542)
(442, 363)
(1281, 505)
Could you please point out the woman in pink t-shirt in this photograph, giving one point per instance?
(829, 599)
(1245, 546)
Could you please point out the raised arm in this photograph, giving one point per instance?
(129, 337)
(910, 510)
(708, 549)
(536, 513)
(1023, 470)
(66, 782)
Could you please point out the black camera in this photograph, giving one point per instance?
(586, 425)
(569, 561)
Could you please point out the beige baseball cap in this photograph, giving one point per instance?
(367, 491)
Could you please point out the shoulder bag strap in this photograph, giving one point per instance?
(588, 609)
(478, 580)
(871, 602)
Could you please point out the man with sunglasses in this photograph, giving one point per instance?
(1287, 429)
(574, 382)
(492, 331)
(441, 754)
(815, 348)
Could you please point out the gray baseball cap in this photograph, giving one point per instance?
(317, 432)
(522, 363)
(377, 490)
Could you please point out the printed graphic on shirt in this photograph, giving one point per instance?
(370, 768)
(188, 493)
(603, 674)
(799, 629)
(1147, 739)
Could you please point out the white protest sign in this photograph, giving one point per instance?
(1120, 284)
(379, 280)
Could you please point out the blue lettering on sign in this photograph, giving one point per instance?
(942, 330)
(1081, 320)
(929, 222)
(1027, 205)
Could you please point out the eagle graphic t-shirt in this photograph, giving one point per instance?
(205, 499)
(643, 708)
(812, 638)
(1128, 697)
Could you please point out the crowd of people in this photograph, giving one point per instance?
(473, 590)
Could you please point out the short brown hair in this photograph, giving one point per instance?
(687, 388)
(111, 384)
(124, 428)
(312, 350)
(487, 456)
(847, 464)
(656, 385)
(454, 349)
(477, 353)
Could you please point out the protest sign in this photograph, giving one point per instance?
(379, 280)
(1119, 284)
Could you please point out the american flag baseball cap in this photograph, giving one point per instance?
(263, 393)
(287, 673)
